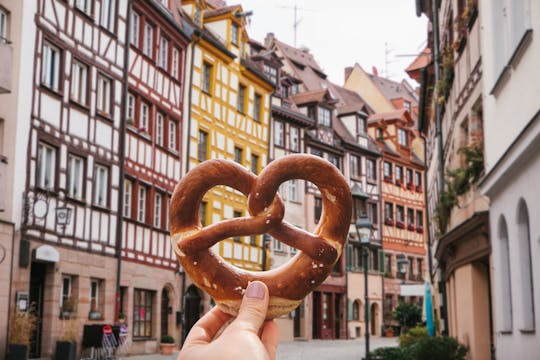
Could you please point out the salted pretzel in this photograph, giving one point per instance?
(292, 281)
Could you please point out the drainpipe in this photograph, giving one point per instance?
(122, 159)
(188, 142)
(10, 279)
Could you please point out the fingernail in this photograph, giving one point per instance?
(255, 290)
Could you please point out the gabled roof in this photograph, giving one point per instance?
(299, 56)
(392, 89)
(208, 14)
(419, 63)
(400, 114)
(317, 96)
(216, 3)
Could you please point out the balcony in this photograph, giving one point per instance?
(6, 59)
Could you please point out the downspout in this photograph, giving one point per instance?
(122, 159)
(438, 134)
(190, 94)
(10, 280)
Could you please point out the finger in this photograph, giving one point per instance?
(270, 337)
(206, 328)
(253, 309)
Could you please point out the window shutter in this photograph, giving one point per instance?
(381, 261)
(349, 263)
(349, 309)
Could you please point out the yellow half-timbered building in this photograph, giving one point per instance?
(229, 115)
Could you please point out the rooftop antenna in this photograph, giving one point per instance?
(296, 19)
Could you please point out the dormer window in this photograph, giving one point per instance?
(271, 73)
(402, 137)
(379, 134)
(284, 91)
(407, 105)
(294, 89)
(324, 117)
(234, 34)
(361, 125)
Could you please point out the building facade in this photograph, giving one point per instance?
(510, 81)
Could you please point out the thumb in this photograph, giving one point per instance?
(253, 309)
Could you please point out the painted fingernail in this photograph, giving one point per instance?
(255, 290)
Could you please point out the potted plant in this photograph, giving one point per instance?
(400, 224)
(388, 221)
(167, 345)
(22, 326)
(121, 318)
(68, 307)
(66, 344)
(388, 331)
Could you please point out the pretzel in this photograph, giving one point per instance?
(292, 281)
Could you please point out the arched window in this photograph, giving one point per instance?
(525, 269)
(504, 277)
(357, 310)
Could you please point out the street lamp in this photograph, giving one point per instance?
(402, 263)
(364, 230)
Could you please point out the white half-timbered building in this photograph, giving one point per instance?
(67, 264)
(151, 284)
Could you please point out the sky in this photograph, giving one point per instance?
(341, 32)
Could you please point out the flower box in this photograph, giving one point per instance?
(388, 179)
(410, 227)
(398, 182)
(420, 230)
(388, 221)
(410, 186)
(400, 224)
(418, 188)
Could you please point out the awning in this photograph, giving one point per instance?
(46, 253)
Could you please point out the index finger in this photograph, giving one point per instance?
(207, 327)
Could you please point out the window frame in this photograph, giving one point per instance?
(135, 29)
(172, 132)
(148, 39)
(318, 206)
(79, 78)
(49, 171)
(202, 146)
(403, 139)
(279, 136)
(294, 135)
(128, 198)
(235, 34)
(79, 195)
(324, 116)
(257, 103)
(142, 194)
(4, 19)
(241, 101)
(371, 172)
(163, 54)
(109, 17)
(51, 80)
(158, 207)
(103, 192)
(85, 7)
(104, 95)
(143, 299)
(160, 128)
(239, 155)
(206, 79)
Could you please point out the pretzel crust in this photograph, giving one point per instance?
(287, 284)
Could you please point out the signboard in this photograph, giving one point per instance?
(46, 253)
(413, 290)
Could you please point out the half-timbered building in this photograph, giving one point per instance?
(151, 286)
(66, 263)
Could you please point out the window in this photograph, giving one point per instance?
(143, 117)
(240, 106)
(399, 173)
(107, 14)
(50, 66)
(294, 89)
(157, 210)
(524, 269)
(504, 277)
(418, 180)
(134, 33)
(128, 186)
(101, 179)
(419, 267)
(400, 213)
(3, 25)
(130, 116)
(84, 5)
(278, 134)
(175, 66)
(75, 176)
(237, 214)
(387, 171)
(317, 152)
(318, 209)
(202, 213)
(380, 134)
(388, 211)
(324, 117)
(148, 40)
(284, 91)
(334, 160)
(277, 245)
(355, 166)
(166, 211)
(203, 146)
(159, 129)
(238, 156)
(370, 170)
(234, 34)
(409, 179)
(271, 73)
(254, 163)
(372, 211)
(358, 208)
(295, 138)
(172, 135)
(142, 313)
(419, 219)
(141, 208)
(361, 125)
(293, 190)
(207, 78)
(79, 85)
(104, 87)
(96, 297)
(163, 57)
(356, 310)
(402, 137)
(410, 216)
(257, 107)
(67, 289)
(46, 166)
(407, 105)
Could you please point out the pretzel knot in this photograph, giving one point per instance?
(291, 282)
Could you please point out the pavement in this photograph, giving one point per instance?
(312, 350)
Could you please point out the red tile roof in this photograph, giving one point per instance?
(421, 61)
(213, 13)
(216, 3)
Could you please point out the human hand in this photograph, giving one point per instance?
(249, 336)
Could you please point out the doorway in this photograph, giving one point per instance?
(165, 304)
(374, 317)
(317, 318)
(297, 315)
(337, 316)
(192, 310)
(37, 286)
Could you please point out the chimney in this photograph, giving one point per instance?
(348, 71)
(375, 71)
(268, 39)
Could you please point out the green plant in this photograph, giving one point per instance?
(413, 335)
(167, 339)
(121, 316)
(389, 353)
(22, 325)
(408, 315)
(439, 347)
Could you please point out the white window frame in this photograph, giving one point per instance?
(141, 204)
(257, 103)
(279, 129)
(94, 294)
(207, 77)
(85, 6)
(134, 33)
(3, 24)
(163, 58)
(294, 133)
(101, 183)
(128, 188)
(46, 166)
(75, 176)
(50, 66)
(160, 120)
(402, 137)
(175, 63)
(148, 40)
(130, 107)
(235, 32)
(158, 203)
(79, 82)
(108, 14)
(293, 190)
(64, 295)
(172, 135)
(324, 116)
(103, 94)
(143, 116)
(277, 245)
(270, 72)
